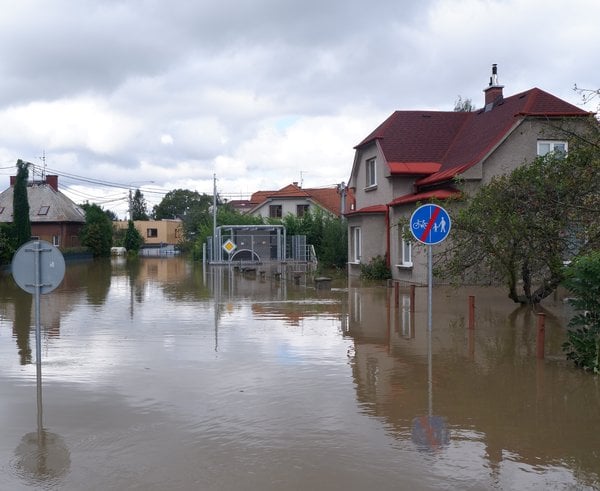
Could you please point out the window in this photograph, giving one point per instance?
(547, 146)
(301, 210)
(371, 173)
(405, 252)
(43, 210)
(355, 245)
(56, 240)
(275, 211)
(151, 232)
(1, 210)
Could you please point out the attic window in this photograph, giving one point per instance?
(43, 210)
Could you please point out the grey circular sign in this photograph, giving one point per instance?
(50, 261)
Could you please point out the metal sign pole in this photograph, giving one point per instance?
(38, 333)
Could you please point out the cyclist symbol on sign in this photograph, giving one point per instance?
(419, 224)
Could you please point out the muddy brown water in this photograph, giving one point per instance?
(159, 375)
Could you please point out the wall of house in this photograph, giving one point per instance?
(288, 206)
(167, 231)
(373, 239)
(66, 234)
(383, 192)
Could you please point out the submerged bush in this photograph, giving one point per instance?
(583, 338)
(376, 269)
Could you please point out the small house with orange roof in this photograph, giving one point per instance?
(296, 200)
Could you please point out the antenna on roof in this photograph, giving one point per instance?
(43, 159)
(302, 178)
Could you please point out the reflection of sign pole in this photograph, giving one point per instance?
(430, 224)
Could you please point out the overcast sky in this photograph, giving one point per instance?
(259, 92)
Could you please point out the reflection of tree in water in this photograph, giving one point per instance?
(98, 281)
(134, 267)
(22, 324)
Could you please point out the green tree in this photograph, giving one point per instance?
(133, 240)
(582, 279)
(521, 227)
(179, 203)
(139, 209)
(96, 234)
(22, 224)
(328, 235)
(7, 242)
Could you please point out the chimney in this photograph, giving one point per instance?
(493, 93)
(13, 180)
(52, 181)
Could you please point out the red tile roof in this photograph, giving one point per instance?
(455, 141)
(369, 210)
(328, 197)
(427, 195)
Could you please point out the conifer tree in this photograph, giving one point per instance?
(22, 224)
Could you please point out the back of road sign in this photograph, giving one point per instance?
(430, 224)
(51, 265)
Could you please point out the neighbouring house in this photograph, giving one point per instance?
(416, 156)
(160, 234)
(53, 216)
(295, 200)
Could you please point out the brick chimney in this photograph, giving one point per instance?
(52, 181)
(493, 93)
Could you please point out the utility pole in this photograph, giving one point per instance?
(214, 212)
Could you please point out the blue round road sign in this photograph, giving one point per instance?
(430, 224)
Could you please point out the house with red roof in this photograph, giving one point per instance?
(417, 156)
(53, 216)
(295, 200)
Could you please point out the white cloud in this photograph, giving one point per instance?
(261, 93)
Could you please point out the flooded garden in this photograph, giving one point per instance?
(159, 374)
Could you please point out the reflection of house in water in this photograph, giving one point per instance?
(497, 397)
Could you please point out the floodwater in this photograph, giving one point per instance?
(158, 375)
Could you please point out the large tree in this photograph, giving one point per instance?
(522, 227)
(97, 232)
(22, 224)
(138, 207)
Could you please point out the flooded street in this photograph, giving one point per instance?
(158, 375)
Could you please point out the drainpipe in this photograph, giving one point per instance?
(387, 236)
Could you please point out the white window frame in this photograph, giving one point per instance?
(371, 173)
(552, 144)
(356, 244)
(56, 240)
(405, 252)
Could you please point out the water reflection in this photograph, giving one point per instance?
(487, 382)
(171, 376)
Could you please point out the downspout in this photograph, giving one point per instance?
(387, 236)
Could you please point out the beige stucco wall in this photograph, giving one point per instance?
(167, 231)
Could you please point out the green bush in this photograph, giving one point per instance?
(583, 338)
(376, 269)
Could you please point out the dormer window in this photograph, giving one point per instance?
(371, 173)
(43, 210)
(558, 147)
